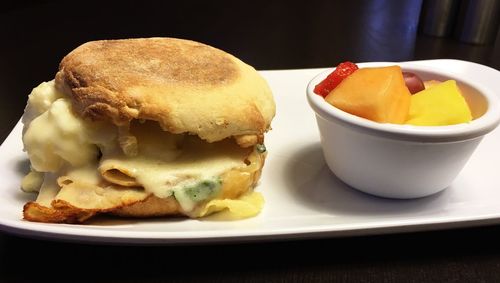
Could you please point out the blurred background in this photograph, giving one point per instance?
(35, 35)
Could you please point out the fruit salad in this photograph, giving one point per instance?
(389, 95)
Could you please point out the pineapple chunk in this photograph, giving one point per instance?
(439, 105)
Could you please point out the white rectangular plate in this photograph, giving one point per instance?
(303, 199)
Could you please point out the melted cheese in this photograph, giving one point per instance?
(67, 150)
(248, 205)
(48, 190)
(166, 164)
(87, 174)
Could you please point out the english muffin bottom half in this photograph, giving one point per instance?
(146, 127)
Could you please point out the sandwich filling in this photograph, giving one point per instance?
(97, 166)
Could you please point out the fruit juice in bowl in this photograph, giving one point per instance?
(385, 134)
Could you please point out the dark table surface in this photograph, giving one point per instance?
(35, 35)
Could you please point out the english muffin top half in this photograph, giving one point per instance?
(186, 86)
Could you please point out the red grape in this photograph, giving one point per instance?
(413, 82)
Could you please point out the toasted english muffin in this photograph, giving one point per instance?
(146, 127)
(188, 87)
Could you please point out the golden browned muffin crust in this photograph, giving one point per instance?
(184, 85)
(150, 207)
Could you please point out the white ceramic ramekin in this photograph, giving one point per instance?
(402, 161)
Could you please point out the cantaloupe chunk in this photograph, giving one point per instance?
(378, 94)
(439, 105)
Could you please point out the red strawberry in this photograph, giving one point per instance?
(342, 71)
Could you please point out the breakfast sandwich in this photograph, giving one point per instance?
(146, 127)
